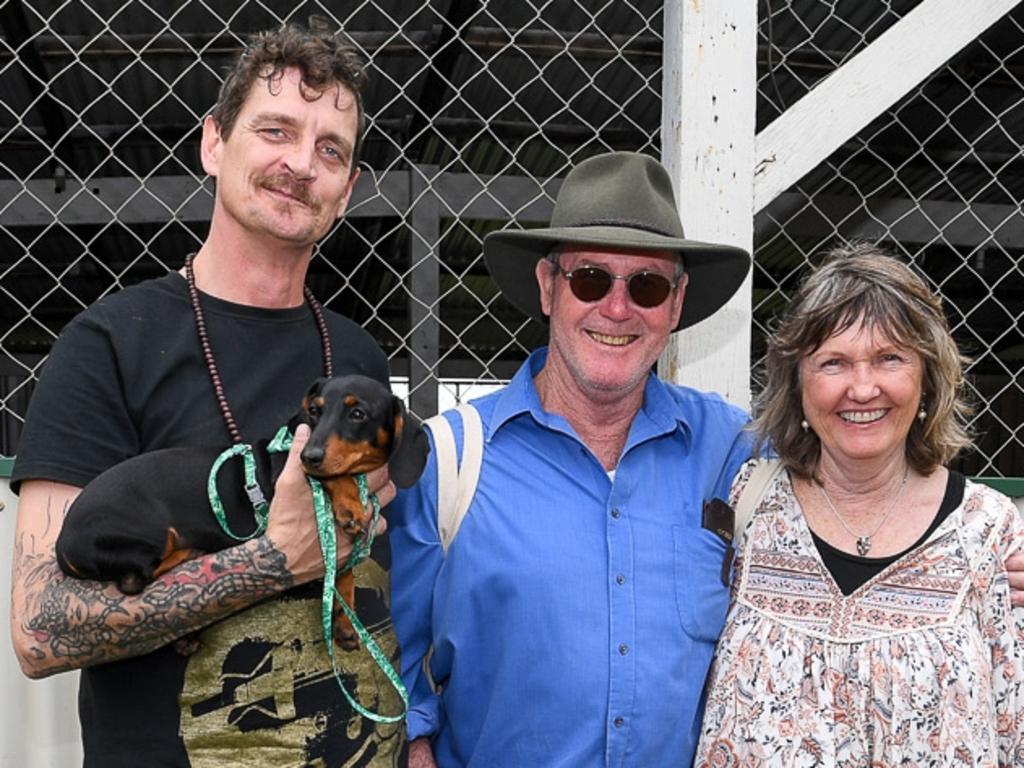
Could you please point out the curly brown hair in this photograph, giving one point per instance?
(863, 283)
(324, 58)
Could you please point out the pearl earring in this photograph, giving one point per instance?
(922, 415)
(804, 425)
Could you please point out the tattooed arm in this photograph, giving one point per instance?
(59, 623)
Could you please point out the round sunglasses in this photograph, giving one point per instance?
(646, 289)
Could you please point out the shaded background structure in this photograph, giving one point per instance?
(477, 110)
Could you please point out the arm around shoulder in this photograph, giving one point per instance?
(1015, 570)
(1003, 625)
(1015, 573)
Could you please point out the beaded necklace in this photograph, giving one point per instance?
(211, 362)
(325, 519)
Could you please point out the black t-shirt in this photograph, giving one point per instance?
(851, 571)
(127, 376)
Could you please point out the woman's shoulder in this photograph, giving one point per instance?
(987, 516)
(759, 470)
(984, 500)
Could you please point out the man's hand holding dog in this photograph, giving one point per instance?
(292, 526)
(1015, 572)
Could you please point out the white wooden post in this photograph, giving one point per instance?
(707, 138)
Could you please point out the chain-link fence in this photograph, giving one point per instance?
(938, 177)
(477, 109)
(473, 107)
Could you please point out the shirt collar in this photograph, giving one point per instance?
(659, 414)
(521, 396)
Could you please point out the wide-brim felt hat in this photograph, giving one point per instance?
(616, 201)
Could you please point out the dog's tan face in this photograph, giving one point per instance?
(352, 426)
(357, 426)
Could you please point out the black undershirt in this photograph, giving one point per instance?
(851, 571)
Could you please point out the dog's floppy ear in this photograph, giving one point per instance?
(316, 387)
(409, 448)
(301, 417)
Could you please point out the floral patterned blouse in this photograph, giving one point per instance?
(923, 665)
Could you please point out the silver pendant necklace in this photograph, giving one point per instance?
(864, 541)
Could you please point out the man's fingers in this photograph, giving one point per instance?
(299, 441)
(1015, 563)
(379, 483)
(386, 494)
(292, 474)
(292, 526)
(1015, 574)
(420, 754)
(377, 479)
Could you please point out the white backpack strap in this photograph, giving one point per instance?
(447, 469)
(456, 483)
(760, 478)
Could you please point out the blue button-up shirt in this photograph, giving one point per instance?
(575, 615)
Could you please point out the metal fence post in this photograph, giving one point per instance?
(424, 223)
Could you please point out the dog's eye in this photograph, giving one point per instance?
(314, 410)
(357, 414)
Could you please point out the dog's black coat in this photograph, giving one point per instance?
(152, 511)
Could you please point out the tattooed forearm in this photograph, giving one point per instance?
(75, 623)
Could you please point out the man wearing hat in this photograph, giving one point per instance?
(572, 620)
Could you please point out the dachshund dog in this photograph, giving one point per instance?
(142, 517)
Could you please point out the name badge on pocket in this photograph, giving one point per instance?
(719, 518)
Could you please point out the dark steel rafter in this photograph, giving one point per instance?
(20, 38)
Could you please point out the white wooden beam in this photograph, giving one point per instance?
(709, 83)
(864, 87)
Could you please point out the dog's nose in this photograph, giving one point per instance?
(313, 455)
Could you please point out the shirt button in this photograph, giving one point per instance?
(616, 514)
(619, 722)
(620, 579)
(623, 649)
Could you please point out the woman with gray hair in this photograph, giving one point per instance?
(871, 621)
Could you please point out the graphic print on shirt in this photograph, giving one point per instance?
(266, 670)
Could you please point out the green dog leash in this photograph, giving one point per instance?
(260, 507)
(327, 534)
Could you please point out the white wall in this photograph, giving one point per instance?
(38, 718)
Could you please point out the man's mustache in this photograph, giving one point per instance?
(287, 184)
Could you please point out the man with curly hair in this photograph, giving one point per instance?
(223, 349)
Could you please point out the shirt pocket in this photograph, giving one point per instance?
(701, 598)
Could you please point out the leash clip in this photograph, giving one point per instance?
(255, 494)
(260, 507)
